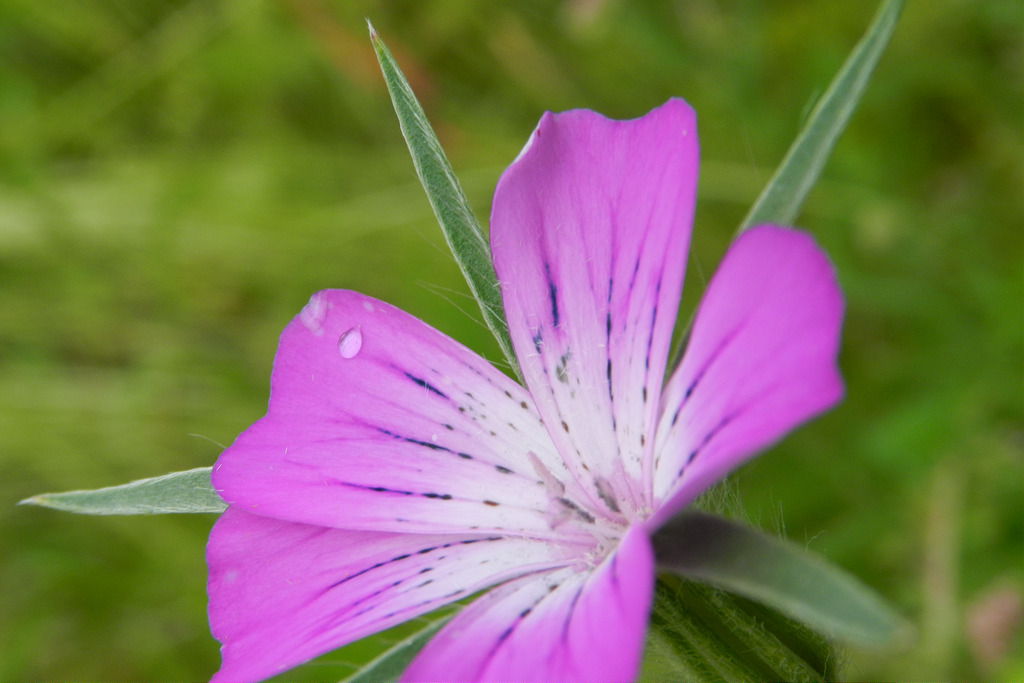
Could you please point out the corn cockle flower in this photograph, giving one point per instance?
(396, 471)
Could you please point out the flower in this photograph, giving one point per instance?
(396, 471)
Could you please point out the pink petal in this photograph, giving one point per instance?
(564, 625)
(589, 232)
(282, 593)
(761, 359)
(377, 421)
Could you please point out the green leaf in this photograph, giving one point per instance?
(702, 635)
(390, 664)
(188, 491)
(461, 229)
(741, 560)
(781, 199)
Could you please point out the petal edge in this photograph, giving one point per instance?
(760, 360)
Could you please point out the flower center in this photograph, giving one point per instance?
(597, 535)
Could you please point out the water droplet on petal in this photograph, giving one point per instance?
(350, 342)
(314, 313)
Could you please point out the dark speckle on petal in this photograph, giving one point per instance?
(552, 295)
(561, 370)
(426, 385)
(606, 495)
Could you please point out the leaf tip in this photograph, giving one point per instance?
(43, 500)
(373, 31)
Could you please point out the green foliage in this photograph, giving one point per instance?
(782, 198)
(177, 492)
(177, 178)
(462, 231)
(702, 635)
(734, 557)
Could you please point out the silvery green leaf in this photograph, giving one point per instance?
(462, 231)
(781, 199)
(741, 560)
(188, 491)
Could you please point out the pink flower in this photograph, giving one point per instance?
(396, 471)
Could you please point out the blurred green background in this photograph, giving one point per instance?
(176, 178)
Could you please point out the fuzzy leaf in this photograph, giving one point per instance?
(781, 199)
(462, 231)
(701, 635)
(741, 560)
(188, 491)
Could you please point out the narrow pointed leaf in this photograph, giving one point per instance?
(741, 560)
(781, 199)
(461, 229)
(389, 665)
(188, 491)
